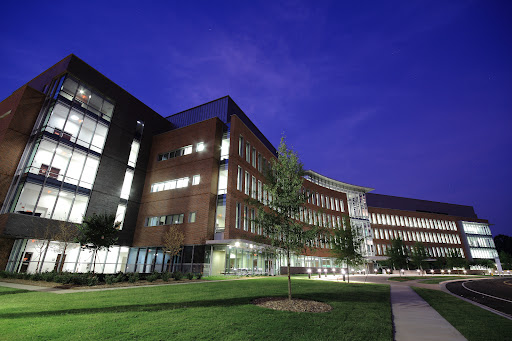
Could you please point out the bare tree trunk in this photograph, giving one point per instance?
(94, 261)
(61, 261)
(289, 278)
(44, 256)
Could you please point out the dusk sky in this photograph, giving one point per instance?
(412, 98)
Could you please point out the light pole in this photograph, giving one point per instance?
(309, 273)
(319, 273)
(325, 271)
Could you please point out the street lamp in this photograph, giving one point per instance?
(309, 273)
(319, 273)
(375, 270)
(432, 272)
(325, 271)
(465, 272)
(333, 271)
(442, 272)
(418, 271)
(402, 272)
(449, 272)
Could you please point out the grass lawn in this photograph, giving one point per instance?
(208, 311)
(403, 278)
(471, 321)
(437, 280)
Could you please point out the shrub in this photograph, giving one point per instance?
(3, 274)
(92, 280)
(110, 279)
(153, 277)
(199, 275)
(48, 276)
(177, 275)
(133, 277)
(120, 277)
(190, 276)
(166, 276)
(80, 279)
(64, 278)
(37, 277)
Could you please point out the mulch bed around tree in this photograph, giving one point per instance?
(295, 305)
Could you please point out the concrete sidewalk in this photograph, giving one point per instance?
(415, 319)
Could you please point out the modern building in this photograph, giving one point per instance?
(73, 144)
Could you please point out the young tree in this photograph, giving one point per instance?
(397, 254)
(418, 256)
(66, 234)
(347, 245)
(98, 232)
(42, 243)
(506, 260)
(455, 260)
(173, 242)
(278, 219)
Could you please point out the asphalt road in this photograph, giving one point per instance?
(494, 293)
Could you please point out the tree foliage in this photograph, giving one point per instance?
(347, 244)
(455, 260)
(418, 255)
(397, 254)
(98, 232)
(173, 241)
(503, 243)
(278, 220)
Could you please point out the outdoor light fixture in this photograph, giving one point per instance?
(237, 244)
(465, 272)
(342, 271)
(432, 272)
(449, 271)
(309, 273)
(319, 273)
(442, 272)
(375, 270)
(325, 270)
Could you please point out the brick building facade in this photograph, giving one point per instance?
(73, 144)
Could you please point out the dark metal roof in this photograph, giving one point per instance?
(417, 205)
(223, 108)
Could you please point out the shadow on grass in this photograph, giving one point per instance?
(329, 297)
(16, 291)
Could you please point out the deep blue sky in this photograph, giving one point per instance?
(412, 98)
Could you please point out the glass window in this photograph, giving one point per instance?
(89, 172)
(239, 179)
(27, 200)
(69, 87)
(254, 157)
(259, 162)
(127, 184)
(46, 202)
(99, 137)
(187, 150)
(253, 191)
(121, 210)
(238, 215)
(247, 183)
(192, 217)
(196, 179)
(246, 218)
(241, 146)
(63, 206)
(134, 153)
(247, 152)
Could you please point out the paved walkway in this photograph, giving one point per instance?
(415, 319)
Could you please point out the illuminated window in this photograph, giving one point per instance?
(134, 152)
(127, 184)
(196, 179)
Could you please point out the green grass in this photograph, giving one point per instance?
(207, 311)
(437, 280)
(471, 321)
(403, 278)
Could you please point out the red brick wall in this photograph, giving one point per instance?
(233, 196)
(200, 198)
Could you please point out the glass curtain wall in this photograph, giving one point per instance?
(60, 169)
